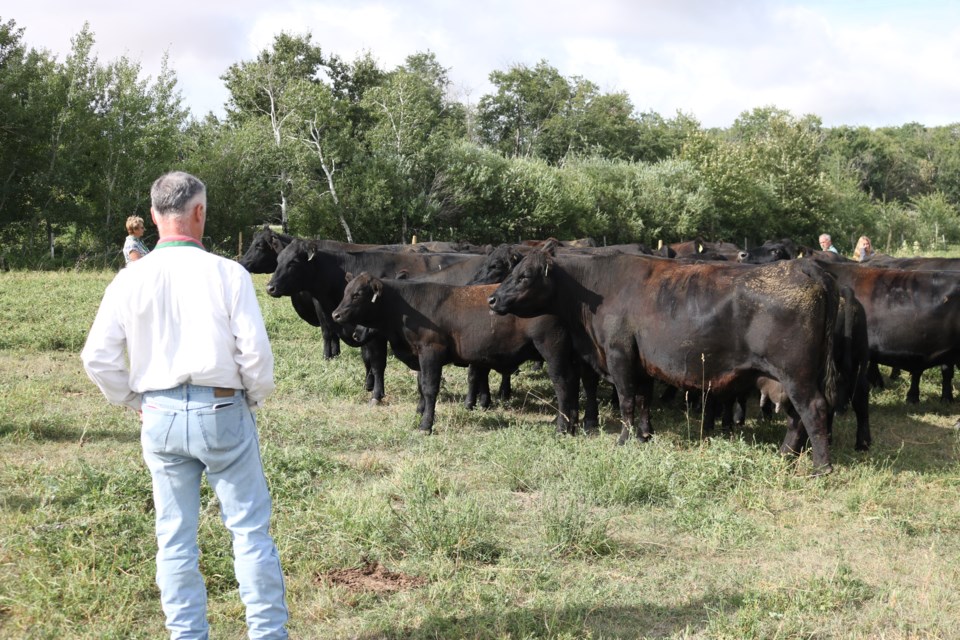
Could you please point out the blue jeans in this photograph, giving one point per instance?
(188, 430)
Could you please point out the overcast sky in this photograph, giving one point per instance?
(873, 63)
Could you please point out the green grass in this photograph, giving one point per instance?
(517, 533)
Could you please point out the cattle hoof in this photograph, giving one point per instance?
(912, 399)
(826, 469)
(375, 402)
(591, 425)
(865, 446)
(425, 431)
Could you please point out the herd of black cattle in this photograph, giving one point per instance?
(806, 328)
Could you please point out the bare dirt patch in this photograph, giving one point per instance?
(372, 577)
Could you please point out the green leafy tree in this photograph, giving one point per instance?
(72, 97)
(141, 125)
(25, 109)
(411, 121)
(240, 189)
(938, 219)
(272, 90)
(513, 119)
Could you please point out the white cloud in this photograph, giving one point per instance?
(872, 63)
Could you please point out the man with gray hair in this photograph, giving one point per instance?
(200, 362)
(826, 243)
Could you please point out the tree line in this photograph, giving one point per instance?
(327, 147)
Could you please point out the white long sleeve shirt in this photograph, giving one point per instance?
(178, 316)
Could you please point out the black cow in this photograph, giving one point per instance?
(261, 257)
(715, 326)
(913, 264)
(852, 356)
(913, 318)
(306, 266)
(692, 248)
(429, 325)
(768, 252)
(909, 324)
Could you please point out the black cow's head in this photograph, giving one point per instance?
(529, 287)
(261, 256)
(497, 265)
(359, 301)
(292, 274)
(766, 253)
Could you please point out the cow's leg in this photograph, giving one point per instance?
(766, 407)
(565, 385)
(645, 394)
(669, 393)
(505, 390)
(913, 393)
(591, 410)
(796, 436)
(861, 401)
(420, 403)
(710, 410)
(627, 401)
(374, 355)
(740, 410)
(946, 382)
(431, 369)
(331, 346)
(478, 387)
(331, 342)
(726, 415)
(813, 410)
(472, 383)
(874, 375)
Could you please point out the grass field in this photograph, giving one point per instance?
(491, 528)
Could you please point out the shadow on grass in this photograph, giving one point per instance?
(44, 432)
(906, 438)
(649, 621)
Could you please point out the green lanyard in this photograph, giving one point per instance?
(179, 241)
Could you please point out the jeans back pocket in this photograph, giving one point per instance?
(155, 428)
(223, 425)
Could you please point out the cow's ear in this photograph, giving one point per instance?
(311, 251)
(800, 253)
(403, 274)
(276, 244)
(349, 276)
(547, 267)
(377, 287)
(699, 247)
(659, 244)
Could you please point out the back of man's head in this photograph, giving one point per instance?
(173, 192)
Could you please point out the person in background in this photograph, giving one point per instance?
(863, 250)
(200, 362)
(826, 243)
(133, 247)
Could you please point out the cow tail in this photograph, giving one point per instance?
(830, 376)
(847, 368)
